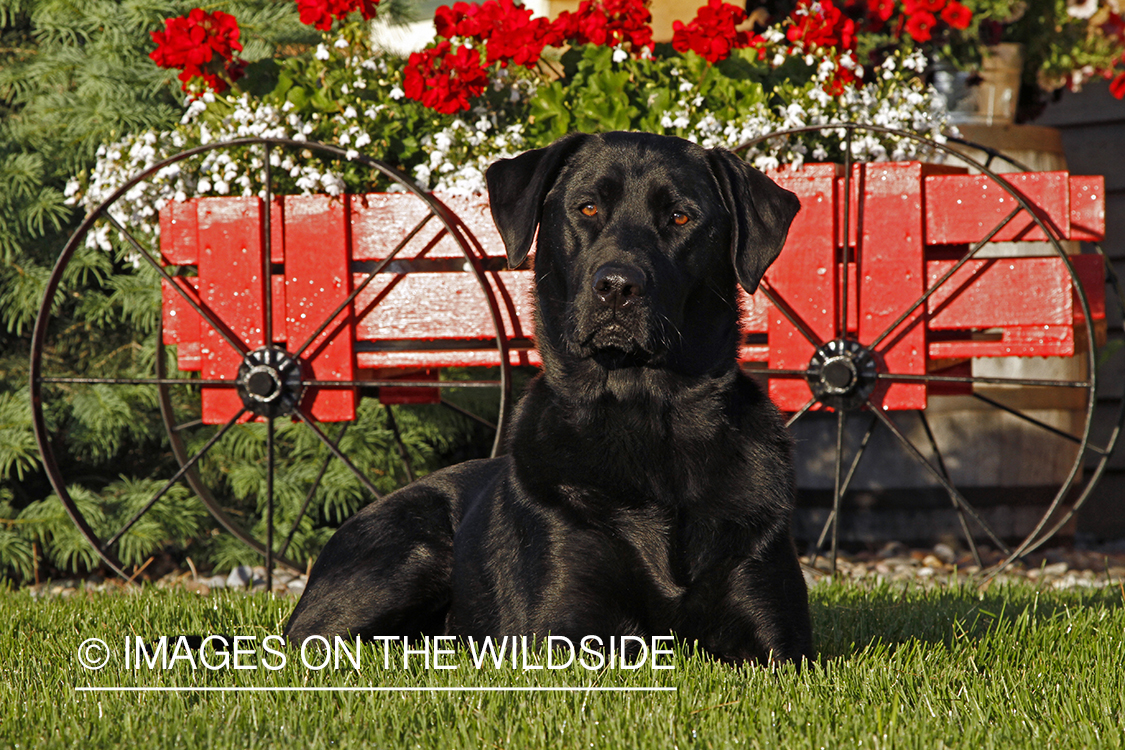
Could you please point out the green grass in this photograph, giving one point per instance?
(1014, 667)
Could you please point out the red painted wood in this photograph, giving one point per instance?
(435, 306)
(1087, 208)
(964, 208)
(231, 287)
(179, 233)
(418, 358)
(180, 322)
(1001, 292)
(1014, 341)
(890, 275)
(1000, 307)
(317, 280)
(805, 281)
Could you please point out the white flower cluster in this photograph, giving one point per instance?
(460, 154)
(215, 172)
(898, 102)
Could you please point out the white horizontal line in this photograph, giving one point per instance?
(374, 689)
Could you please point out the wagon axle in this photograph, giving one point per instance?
(842, 374)
(269, 382)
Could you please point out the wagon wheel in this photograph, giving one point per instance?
(847, 371)
(272, 381)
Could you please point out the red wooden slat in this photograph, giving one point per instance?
(998, 292)
(487, 357)
(440, 306)
(964, 208)
(231, 286)
(1015, 341)
(180, 323)
(1087, 208)
(381, 220)
(889, 275)
(804, 280)
(317, 280)
(179, 233)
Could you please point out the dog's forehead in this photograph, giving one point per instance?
(633, 161)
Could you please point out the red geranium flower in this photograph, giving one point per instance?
(916, 6)
(882, 10)
(319, 13)
(821, 24)
(444, 79)
(605, 23)
(712, 33)
(1117, 86)
(920, 26)
(202, 45)
(957, 15)
(510, 33)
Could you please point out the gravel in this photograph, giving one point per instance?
(942, 565)
(1056, 568)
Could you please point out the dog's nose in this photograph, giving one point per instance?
(617, 286)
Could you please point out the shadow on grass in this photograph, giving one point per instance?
(848, 619)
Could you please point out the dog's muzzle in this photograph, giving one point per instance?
(617, 323)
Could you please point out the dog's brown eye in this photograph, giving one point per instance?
(589, 209)
(680, 218)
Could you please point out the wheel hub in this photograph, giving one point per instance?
(269, 382)
(842, 374)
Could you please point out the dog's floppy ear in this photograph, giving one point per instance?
(517, 187)
(761, 212)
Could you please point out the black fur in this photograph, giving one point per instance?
(648, 488)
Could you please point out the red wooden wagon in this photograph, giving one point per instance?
(894, 297)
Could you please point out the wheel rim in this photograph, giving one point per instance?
(843, 388)
(270, 379)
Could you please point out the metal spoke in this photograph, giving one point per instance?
(945, 473)
(267, 260)
(221, 329)
(138, 381)
(401, 383)
(338, 454)
(312, 492)
(842, 329)
(944, 278)
(468, 414)
(917, 455)
(187, 425)
(846, 484)
(269, 503)
(776, 373)
(369, 278)
(800, 412)
(790, 315)
(398, 441)
(837, 495)
(911, 378)
(175, 478)
(1037, 423)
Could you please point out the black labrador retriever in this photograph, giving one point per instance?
(648, 488)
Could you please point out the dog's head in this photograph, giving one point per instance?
(642, 240)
